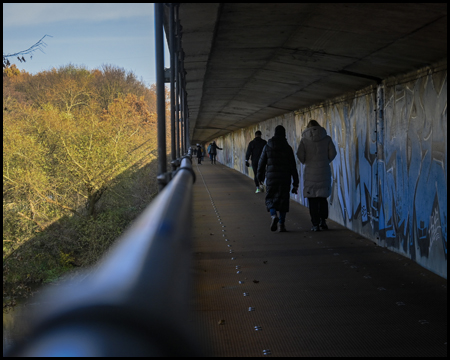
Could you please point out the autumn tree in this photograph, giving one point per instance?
(78, 151)
(11, 71)
(111, 82)
(65, 88)
(63, 146)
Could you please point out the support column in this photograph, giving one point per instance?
(172, 85)
(160, 96)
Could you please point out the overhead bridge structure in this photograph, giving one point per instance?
(373, 75)
(201, 273)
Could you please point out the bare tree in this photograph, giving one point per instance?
(20, 54)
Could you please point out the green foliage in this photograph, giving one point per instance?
(78, 151)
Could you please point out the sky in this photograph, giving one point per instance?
(87, 35)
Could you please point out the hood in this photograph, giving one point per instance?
(277, 142)
(315, 133)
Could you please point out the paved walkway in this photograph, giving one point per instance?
(331, 293)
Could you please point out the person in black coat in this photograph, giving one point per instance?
(278, 162)
(199, 154)
(254, 151)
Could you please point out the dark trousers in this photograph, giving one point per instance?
(255, 170)
(213, 158)
(318, 209)
(199, 160)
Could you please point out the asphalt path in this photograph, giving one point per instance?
(302, 293)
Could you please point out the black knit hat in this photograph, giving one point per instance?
(280, 131)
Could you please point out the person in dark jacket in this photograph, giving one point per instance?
(317, 151)
(254, 151)
(278, 161)
(213, 152)
(199, 154)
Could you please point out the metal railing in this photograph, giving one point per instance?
(136, 301)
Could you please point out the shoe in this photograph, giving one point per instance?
(315, 228)
(258, 190)
(261, 188)
(282, 228)
(323, 225)
(274, 223)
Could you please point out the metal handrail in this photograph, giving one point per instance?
(136, 302)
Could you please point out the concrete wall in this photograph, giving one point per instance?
(390, 174)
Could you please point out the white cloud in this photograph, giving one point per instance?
(34, 14)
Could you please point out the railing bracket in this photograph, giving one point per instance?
(164, 179)
(189, 169)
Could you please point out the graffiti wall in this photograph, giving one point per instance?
(389, 178)
(413, 194)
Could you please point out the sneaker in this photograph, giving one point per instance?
(258, 190)
(274, 223)
(262, 188)
(323, 225)
(282, 228)
(315, 228)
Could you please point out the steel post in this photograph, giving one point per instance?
(160, 94)
(172, 85)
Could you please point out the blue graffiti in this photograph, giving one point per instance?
(389, 179)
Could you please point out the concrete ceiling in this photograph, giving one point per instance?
(246, 63)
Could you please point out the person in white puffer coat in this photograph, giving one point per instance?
(316, 151)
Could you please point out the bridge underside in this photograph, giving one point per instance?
(247, 63)
(373, 75)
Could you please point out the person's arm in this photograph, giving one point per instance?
(261, 173)
(294, 172)
(331, 151)
(301, 153)
(248, 153)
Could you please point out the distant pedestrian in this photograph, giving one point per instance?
(254, 151)
(317, 151)
(279, 159)
(213, 152)
(208, 150)
(199, 154)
